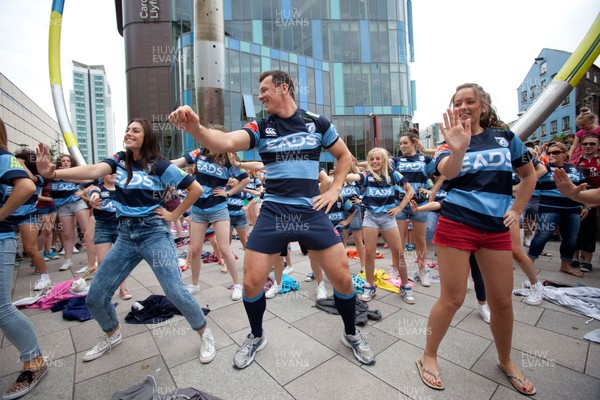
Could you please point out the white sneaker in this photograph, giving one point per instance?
(104, 346)
(67, 264)
(407, 294)
(75, 250)
(527, 241)
(288, 270)
(272, 292)
(368, 293)
(193, 289)
(321, 291)
(46, 258)
(236, 293)
(42, 283)
(484, 312)
(424, 278)
(535, 294)
(208, 351)
(81, 270)
(62, 251)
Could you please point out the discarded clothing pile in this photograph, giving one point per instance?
(155, 309)
(59, 292)
(149, 390)
(382, 280)
(287, 284)
(353, 254)
(581, 299)
(73, 309)
(362, 312)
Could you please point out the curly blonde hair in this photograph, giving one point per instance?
(385, 168)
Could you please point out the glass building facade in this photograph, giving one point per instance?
(348, 58)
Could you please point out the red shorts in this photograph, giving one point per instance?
(460, 236)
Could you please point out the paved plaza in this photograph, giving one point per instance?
(304, 358)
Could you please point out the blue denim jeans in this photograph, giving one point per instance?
(147, 238)
(432, 219)
(17, 328)
(547, 222)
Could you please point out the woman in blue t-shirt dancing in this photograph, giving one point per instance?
(477, 158)
(142, 177)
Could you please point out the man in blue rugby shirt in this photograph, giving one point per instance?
(289, 141)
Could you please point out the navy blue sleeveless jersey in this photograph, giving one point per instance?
(416, 169)
(290, 149)
(146, 190)
(107, 211)
(10, 168)
(482, 193)
(210, 176)
(380, 196)
(551, 200)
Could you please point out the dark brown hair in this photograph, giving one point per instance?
(279, 78)
(149, 151)
(30, 159)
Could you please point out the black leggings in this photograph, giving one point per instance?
(477, 278)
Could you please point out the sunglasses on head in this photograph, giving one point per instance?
(555, 152)
(589, 144)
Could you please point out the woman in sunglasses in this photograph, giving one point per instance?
(557, 210)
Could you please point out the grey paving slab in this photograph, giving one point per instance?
(525, 313)
(179, 343)
(57, 384)
(215, 297)
(566, 324)
(552, 380)
(129, 351)
(327, 329)
(504, 393)
(292, 306)
(339, 379)
(592, 367)
(233, 318)
(539, 342)
(216, 278)
(396, 366)
(119, 379)
(462, 347)
(54, 346)
(86, 335)
(289, 352)
(422, 306)
(49, 322)
(220, 379)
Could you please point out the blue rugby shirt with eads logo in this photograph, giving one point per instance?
(29, 207)
(551, 200)
(482, 192)
(290, 149)
(340, 210)
(63, 192)
(210, 176)
(146, 190)
(416, 169)
(235, 202)
(380, 196)
(10, 168)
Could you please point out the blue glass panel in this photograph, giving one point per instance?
(249, 111)
(293, 58)
(285, 56)
(402, 43)
(266, 52)
(365, 49)
(234, 44)
(227, 10)
(335, 9)
(255, 49)
(339, 110)
(317, 39)
(188, 140)
(266, 64)
(325, 66)
(338, 85)
(302, 86)
(301, 60)
(378, 110)
(257, 32)
(310, 62)
(275, 54)
(286, 9)
(304, 105)
(367, 110)
(318, 64)
(359, 110)
(245, 47)
(319, 86)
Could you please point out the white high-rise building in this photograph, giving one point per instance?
(92, 118)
